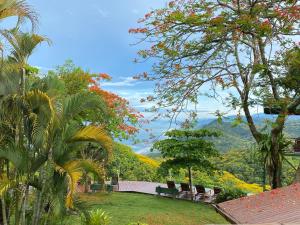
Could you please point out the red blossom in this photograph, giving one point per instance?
(171, 4)
(138, 30)
(91, 81)
(104, 76)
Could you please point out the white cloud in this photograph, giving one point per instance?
(206, 108)
(127, 81)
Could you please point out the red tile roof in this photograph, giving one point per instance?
(281, 205)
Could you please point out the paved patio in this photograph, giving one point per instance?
(145, 187)
(139, 186)
(149, 188)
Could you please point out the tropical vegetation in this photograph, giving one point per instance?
(56, 129)
(60, 130)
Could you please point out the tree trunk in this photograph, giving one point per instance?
(36, 215)
(264, 176)
(276, 167)
(190, 182)
(4, 213)
(17, 204)
(86, 183)
(39, 199)
(24, 205)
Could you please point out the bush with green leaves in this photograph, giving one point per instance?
(95, 217)
(230, 194)
(129, 167)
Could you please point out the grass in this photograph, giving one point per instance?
(128, 207)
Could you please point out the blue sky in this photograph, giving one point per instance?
(94, 34)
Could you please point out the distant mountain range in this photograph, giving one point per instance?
(240, 137)
(233, 137)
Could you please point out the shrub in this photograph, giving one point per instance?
(228, 179)
(230, 194)
(131, 166)
(96, 217)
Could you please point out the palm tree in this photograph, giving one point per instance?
(14, 70)
(18, 8)
(23, 45)
(38, 122)
(49, 159)
(66, 137)
(266, 154)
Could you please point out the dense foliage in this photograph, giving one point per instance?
(121, 119)
(131, 166)
(248, 165)
(55, 129)
(230, 194)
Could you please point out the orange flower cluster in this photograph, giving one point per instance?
(128, 129)
(104, 76)
(112, 100)
(290, 13)
(138, 30)
(118, 106)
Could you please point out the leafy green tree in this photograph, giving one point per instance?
(187, 149)
(245, 47)
(246, 164)
(126, 164)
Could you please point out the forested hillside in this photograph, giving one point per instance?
(239, 136)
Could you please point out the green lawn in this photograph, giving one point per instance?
(153, 210)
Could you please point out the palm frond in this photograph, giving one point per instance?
(73, 172)
(94, 134)
(42, 115)
(79, 103)
(11, 108)
(5, 184)
(19, 158)
(52, 85)
(93, 167)
(22, 44)
(9, 78)
(23, 11)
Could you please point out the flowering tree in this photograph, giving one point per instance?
(119, 118)
(246, 47)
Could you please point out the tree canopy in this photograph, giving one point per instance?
(187, 149)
